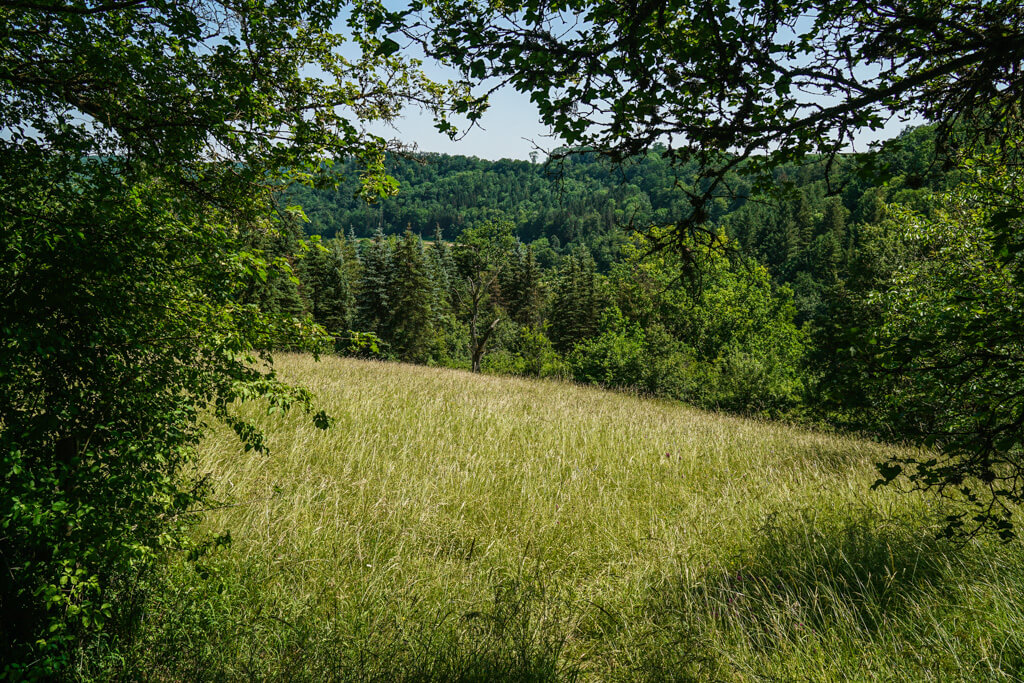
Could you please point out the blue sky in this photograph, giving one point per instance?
(505, 132)
(510, 129)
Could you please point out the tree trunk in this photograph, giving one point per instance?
(479, 346)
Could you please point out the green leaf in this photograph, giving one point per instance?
(388, 47)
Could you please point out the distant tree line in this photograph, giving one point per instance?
(485, 302)
(531, 274)
(576, 200)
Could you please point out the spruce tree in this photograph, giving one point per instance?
(409, 330)
(577, 301)
(523, 295)
(373, 308)
(441, 269)
(277, 293)
(326, 288)
(352, 266)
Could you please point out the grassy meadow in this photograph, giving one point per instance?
(455, 527)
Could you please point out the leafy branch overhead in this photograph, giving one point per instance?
(264, 86)
(743, 86)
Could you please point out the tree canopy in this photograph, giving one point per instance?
(143, 145)
(741, 86)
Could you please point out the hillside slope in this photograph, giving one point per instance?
(464, 527)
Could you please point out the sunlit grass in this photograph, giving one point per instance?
(461, 527)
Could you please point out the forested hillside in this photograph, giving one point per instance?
(558, 269)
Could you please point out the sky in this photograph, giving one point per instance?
(511, 127)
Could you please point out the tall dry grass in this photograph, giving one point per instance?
(453, 526)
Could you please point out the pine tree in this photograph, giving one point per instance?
(409, 331)
(374, 286)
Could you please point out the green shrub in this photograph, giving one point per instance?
(614, 358)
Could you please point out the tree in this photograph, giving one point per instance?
(278, 293)
(327, 290)
(947, 358)
(737, 86)
(374, 306)
(481, 255)
(577, 301)
(144, 145)
(736, 344)
(410, 328)
(439, 262)
(522, 288)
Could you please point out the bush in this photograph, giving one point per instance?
(615, 358)
(527, 352)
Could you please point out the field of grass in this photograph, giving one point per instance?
(453, 527)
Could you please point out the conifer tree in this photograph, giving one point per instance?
(374, 286)
(281, 295)
(508, 280)
(834, 219)
(803, 214)
(326, 288)
(409, 330)
(828, 255)
(524, 297)
(577, 301)
(278, 292)
(352, 266)
(441, 269)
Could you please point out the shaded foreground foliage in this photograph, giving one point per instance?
(142, 145)
(108, 358)
(948, 356)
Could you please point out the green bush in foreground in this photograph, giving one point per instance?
(143, 145)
